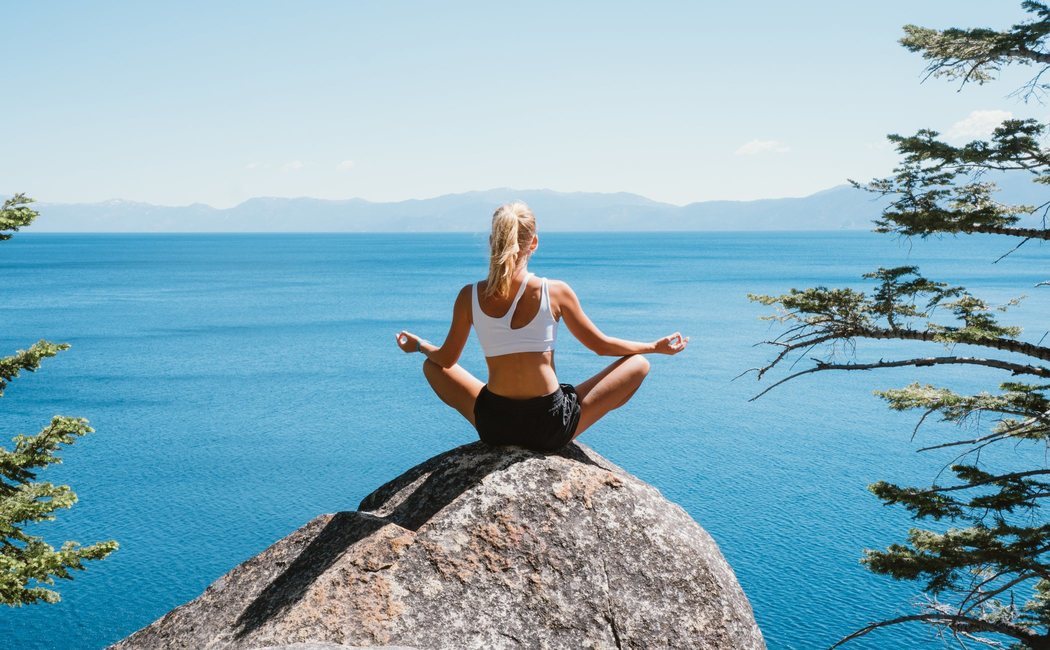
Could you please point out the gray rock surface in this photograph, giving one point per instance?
(481, 548)
(332, 646)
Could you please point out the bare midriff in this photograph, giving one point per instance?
(522, 375)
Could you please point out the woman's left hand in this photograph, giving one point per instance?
(407, 341)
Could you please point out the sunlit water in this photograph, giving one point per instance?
(242, 384)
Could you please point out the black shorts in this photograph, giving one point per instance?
(544, 423)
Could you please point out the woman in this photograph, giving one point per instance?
(515, 315)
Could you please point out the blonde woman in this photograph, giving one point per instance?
(515, 315)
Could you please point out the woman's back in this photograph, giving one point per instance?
(516, 317)
(517, 333)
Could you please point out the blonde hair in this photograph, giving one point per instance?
(513, 227)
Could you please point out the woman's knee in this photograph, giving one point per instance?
(430, 369)
(640, 365)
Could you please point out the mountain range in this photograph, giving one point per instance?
(838, 208)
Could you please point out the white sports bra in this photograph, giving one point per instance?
(496, 335)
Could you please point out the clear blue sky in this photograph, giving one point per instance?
(216, 102)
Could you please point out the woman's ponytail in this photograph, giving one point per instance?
(513, 227)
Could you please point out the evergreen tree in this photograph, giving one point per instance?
(27, 562)
(984, 572)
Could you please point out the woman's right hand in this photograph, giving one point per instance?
(671, 344)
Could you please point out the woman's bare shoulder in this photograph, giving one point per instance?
(561, 297)
(559, 288)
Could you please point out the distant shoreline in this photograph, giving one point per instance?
(841, 208)
(400, 233)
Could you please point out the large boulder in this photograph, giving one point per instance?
(481, 547)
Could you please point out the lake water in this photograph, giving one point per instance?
(242, 384)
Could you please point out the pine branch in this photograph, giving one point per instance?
(28, 565)
(1029, 233)
(975, 55)
(28, 360)
(937, 188)
(992, 437)
(985, 596)
(18, 466)
(1023, 52)
(1014, 368)
(956, 621)
(985, 481)
(1012, 250)
(847, 331)
(15, 214)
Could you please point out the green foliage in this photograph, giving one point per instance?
(902, 306)
(28, 565)
(977, 55)
(27, 360)
(1022, 407)
(14, 214)
(993, 551)
(27, 562)
(937, 188)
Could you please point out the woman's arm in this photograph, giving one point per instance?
(594, 339)
(447, 355)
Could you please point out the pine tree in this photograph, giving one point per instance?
(27, 563)
(984, 573)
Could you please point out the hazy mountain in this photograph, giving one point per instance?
(837, 208)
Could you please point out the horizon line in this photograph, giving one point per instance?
(48, 233)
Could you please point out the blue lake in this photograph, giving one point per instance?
(242, 384)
